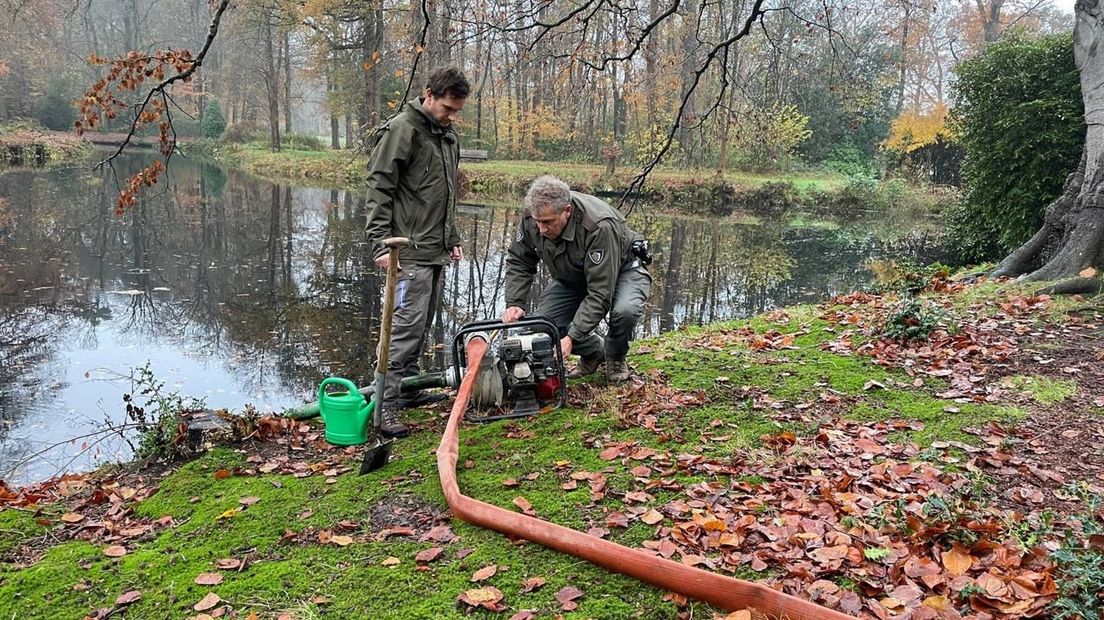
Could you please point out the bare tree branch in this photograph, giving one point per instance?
(637, 184)
(197, 62)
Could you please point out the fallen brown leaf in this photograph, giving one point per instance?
(207, 602)
(115, 551)
(485, 573)
(567, 596)
(429, 555)
(128, 597)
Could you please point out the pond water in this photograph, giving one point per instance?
(239, 291)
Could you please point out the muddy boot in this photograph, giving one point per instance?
(616, 372)
(586, 366)
(391, 426)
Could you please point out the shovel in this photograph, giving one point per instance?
(379, 448)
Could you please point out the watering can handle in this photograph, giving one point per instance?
(345, 383)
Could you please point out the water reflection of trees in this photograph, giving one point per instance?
(280, 285)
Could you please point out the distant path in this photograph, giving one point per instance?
(115, 139)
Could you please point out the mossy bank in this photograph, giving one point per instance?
(23, 143)
(318, 541)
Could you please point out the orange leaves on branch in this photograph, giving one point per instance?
(124, 74)
(128, 74)
(146, 177)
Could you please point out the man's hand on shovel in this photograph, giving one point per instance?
(384, 261)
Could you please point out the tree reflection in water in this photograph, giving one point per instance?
(242, 291)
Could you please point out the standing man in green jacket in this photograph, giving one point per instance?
(597, 264)
(412, 190)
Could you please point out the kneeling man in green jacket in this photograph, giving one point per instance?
(597, 267)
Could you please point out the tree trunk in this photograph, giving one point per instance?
(287, 81)
(1072, 236)
(904, 58)
(990, 19)
(270, 80)
(689, 50)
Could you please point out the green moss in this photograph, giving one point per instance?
(747, 391)
(1044, 390)
(17, 527)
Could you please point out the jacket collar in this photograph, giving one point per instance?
(415, 107)
(568, 234)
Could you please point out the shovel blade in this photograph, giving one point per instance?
(376, 456)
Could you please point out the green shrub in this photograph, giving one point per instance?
(213, 122)
(241, 133)
(302, 142)
(155, 414)
(914, 319)
(848, 160)
(1019, 119)
(857, 195)
(55, 111)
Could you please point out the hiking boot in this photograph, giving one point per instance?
(616, 372)
(390, 424)
(586, 367)
(421, 398)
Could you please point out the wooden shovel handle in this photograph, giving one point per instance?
(393, 244)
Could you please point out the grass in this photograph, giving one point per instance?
(347, 169)
(291, 571)
(1045, 390)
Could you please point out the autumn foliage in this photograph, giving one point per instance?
(129, 74)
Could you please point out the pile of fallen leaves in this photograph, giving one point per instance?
(963, 353)
(844, 508)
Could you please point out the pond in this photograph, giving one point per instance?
(238, 291)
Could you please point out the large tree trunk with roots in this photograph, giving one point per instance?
(1072, 236)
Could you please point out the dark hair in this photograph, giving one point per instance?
(449, 81)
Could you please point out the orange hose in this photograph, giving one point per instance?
(718, 590)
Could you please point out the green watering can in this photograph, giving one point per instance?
(345, 414)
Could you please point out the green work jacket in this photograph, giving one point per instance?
(412, 187)
(595, 245)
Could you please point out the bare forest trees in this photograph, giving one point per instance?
(749, 84)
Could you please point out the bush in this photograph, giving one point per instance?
(1019, 119)
(213, 122)
(155, 414)
(241, 133)
(302, 142)
(770, 200)
(858, 195)
(848, 160)
(913, 319)
(55, 112)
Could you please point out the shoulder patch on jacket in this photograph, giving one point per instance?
(596, 256)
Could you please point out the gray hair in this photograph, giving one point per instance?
(547, 192)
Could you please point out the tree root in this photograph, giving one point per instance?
(1073, 286)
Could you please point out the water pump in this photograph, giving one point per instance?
(522, 376)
